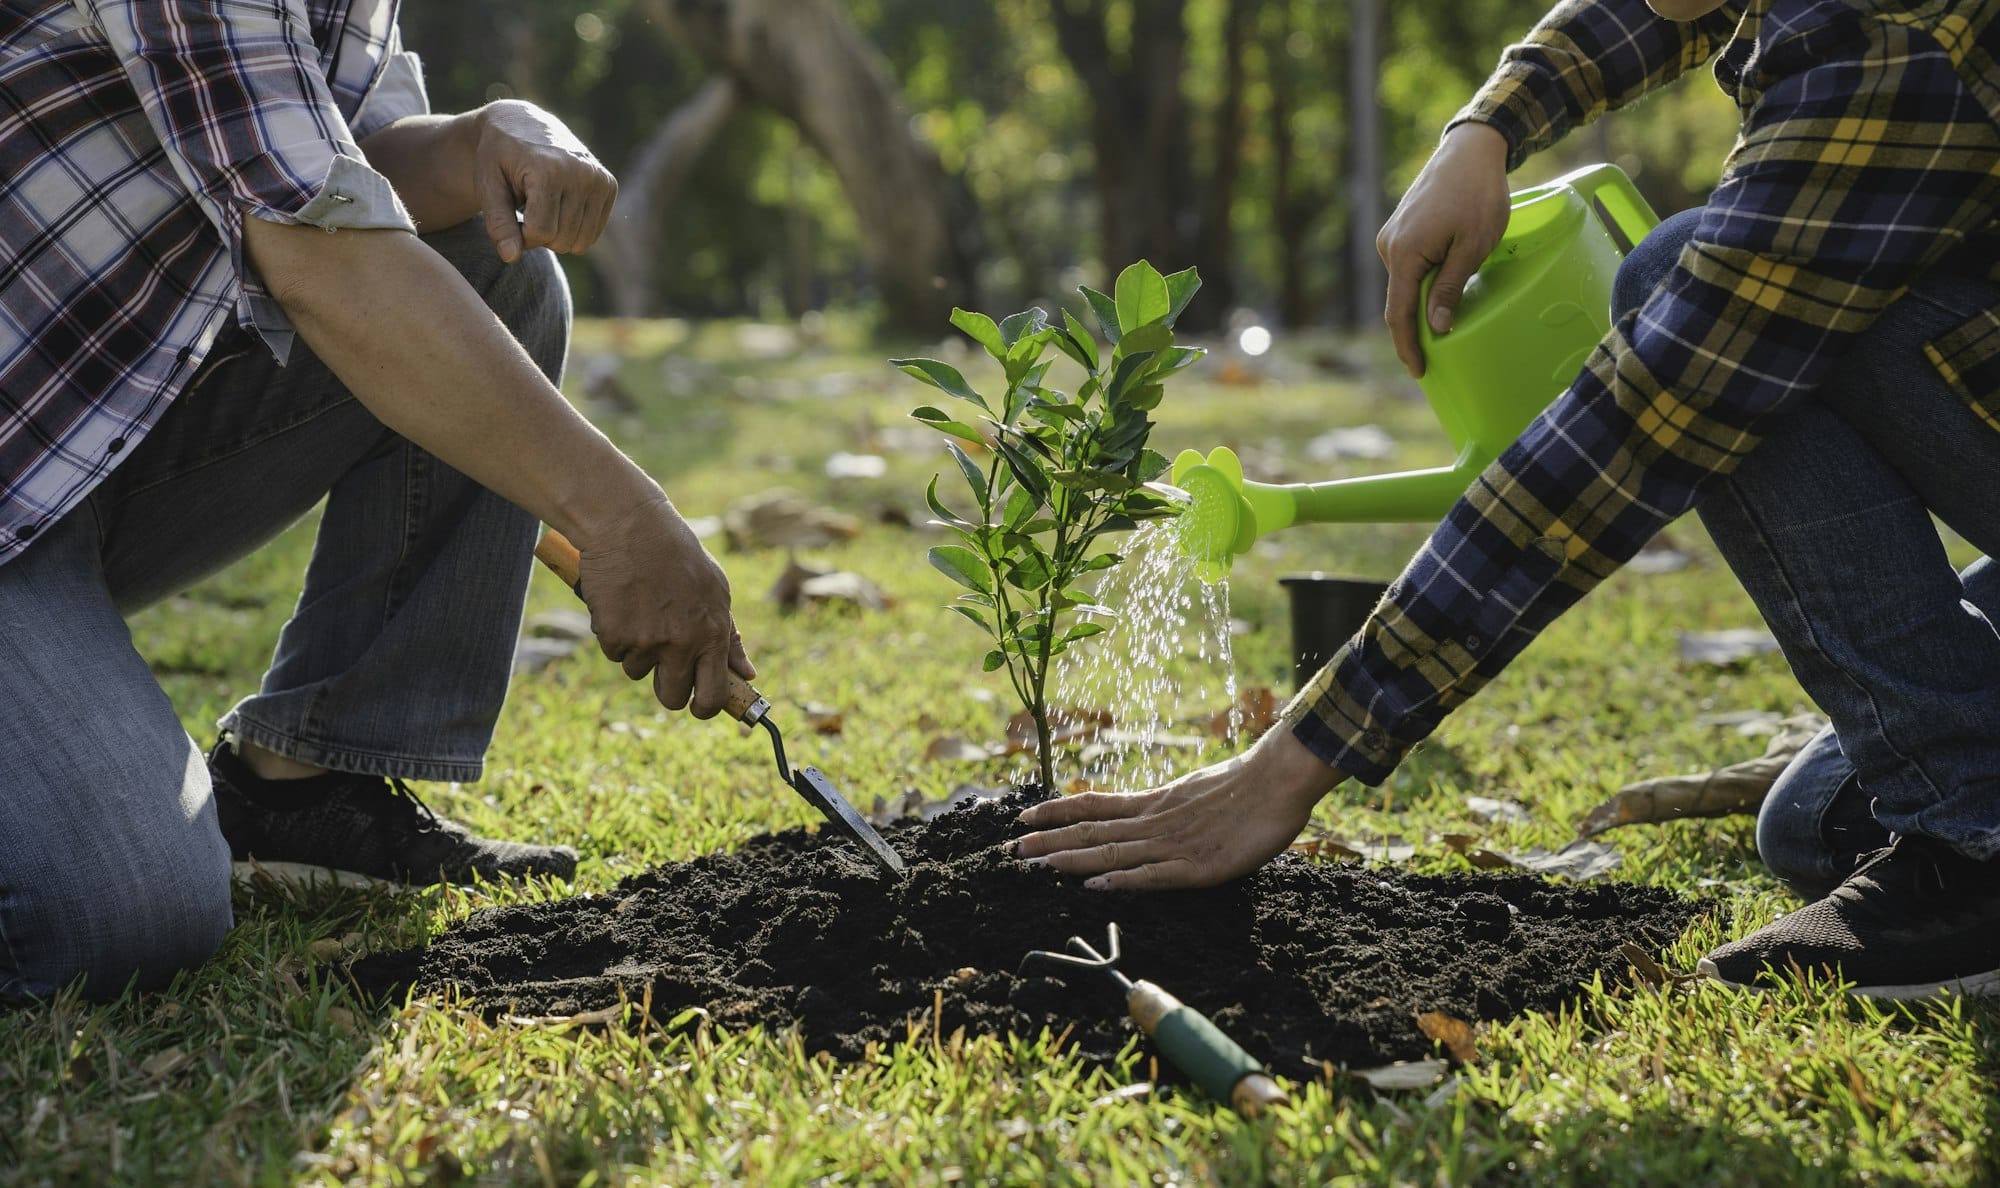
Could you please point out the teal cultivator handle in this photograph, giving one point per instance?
(1199, 1048)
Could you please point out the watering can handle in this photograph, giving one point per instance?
(1607, 186)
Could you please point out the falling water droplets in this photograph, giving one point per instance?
(1164, 658)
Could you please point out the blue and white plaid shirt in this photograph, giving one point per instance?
(135, 136)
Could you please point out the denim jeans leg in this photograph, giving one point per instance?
(111, 865)
(396, 658)
(1828, 524)
(1816, 819)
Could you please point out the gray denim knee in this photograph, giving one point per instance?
(121, 903)
(530, 296)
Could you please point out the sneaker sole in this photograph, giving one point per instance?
(300, 874)
(1971, 986)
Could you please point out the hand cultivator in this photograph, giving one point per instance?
(1185, 1036)
(752, 708)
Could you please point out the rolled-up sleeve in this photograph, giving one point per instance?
(398, 91)
(237, 95)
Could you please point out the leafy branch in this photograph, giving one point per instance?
(1049, 473)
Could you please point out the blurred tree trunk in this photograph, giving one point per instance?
(805, 59)
(1151, 205)
(1368, 282)
(628, 254)
(1292, 212)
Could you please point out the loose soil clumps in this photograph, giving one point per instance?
(1303, 963)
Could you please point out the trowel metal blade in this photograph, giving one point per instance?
(812, 784)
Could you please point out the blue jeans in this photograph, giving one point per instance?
(395, 661)
(1828, 524)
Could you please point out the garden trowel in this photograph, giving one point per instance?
(751, 708)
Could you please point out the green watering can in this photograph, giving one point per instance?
(1530, 317)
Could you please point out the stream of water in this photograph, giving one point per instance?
(1162, 669)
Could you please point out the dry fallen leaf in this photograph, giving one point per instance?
(1737, 788)
(1643, 964)
(1579, 860)
(955, 749)
(782, 518)
(1723, 648)
(824, 719)
(1497, 809)
(162, 1064)
(1458, 1037)
(1255, 712)
(800, 584)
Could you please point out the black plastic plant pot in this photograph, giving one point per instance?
(1326, 612)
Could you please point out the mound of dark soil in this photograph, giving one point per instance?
(1301, 962)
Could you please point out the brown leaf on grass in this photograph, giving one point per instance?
(1726, 791)
(1066, 724)
(800, 585)
(950, 747)
(1723, 648)
(535, 653)
(1643, 964)
(1458, 1037)
(1579, 860)
(1255, 712)
(824, 719)
(1497, 809)
(1467, 845)
(602, 1015)
(1392, 850)
(782, 518)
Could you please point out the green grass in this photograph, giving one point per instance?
(259, 1067)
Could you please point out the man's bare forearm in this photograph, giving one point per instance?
(428, 159)
(416, 345)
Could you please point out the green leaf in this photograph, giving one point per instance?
(1177, 359)
(1028, 321)
(1128, 370)
(1147, 340)
(975, 478)
(981, 330)
(1146, 398)
(1082, 631)
(1142, 297)
(941, 421)
(1020, 505)
(1181, 288)
(1082, 339)
(963, 566)
(1026, 468)
(940, 510)
(974, 615)
(1029, 573)
(1152, 464)
(994, 662)
(939, 375)
(1106, 310)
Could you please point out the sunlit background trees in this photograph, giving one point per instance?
(901, 156)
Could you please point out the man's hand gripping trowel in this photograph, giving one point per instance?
(751, 708)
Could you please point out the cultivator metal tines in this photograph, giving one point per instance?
(1185, 1036)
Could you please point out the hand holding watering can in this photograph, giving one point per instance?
(1525, 324)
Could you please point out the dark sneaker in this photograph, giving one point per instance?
(1914, 919)
(354, 829)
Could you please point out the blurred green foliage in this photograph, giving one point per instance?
(990, 91)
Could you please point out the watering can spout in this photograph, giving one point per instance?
(1226, 513)
(1526, 324)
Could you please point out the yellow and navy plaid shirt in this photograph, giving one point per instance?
(1868, 155)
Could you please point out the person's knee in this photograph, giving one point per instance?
(530, 296)
(1649, 262)
(118, 907)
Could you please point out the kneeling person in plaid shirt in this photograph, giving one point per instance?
(1812, 361)
(215, 310)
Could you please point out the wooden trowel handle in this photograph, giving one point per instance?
(554, 550)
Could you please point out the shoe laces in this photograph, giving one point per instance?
(426, 821)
